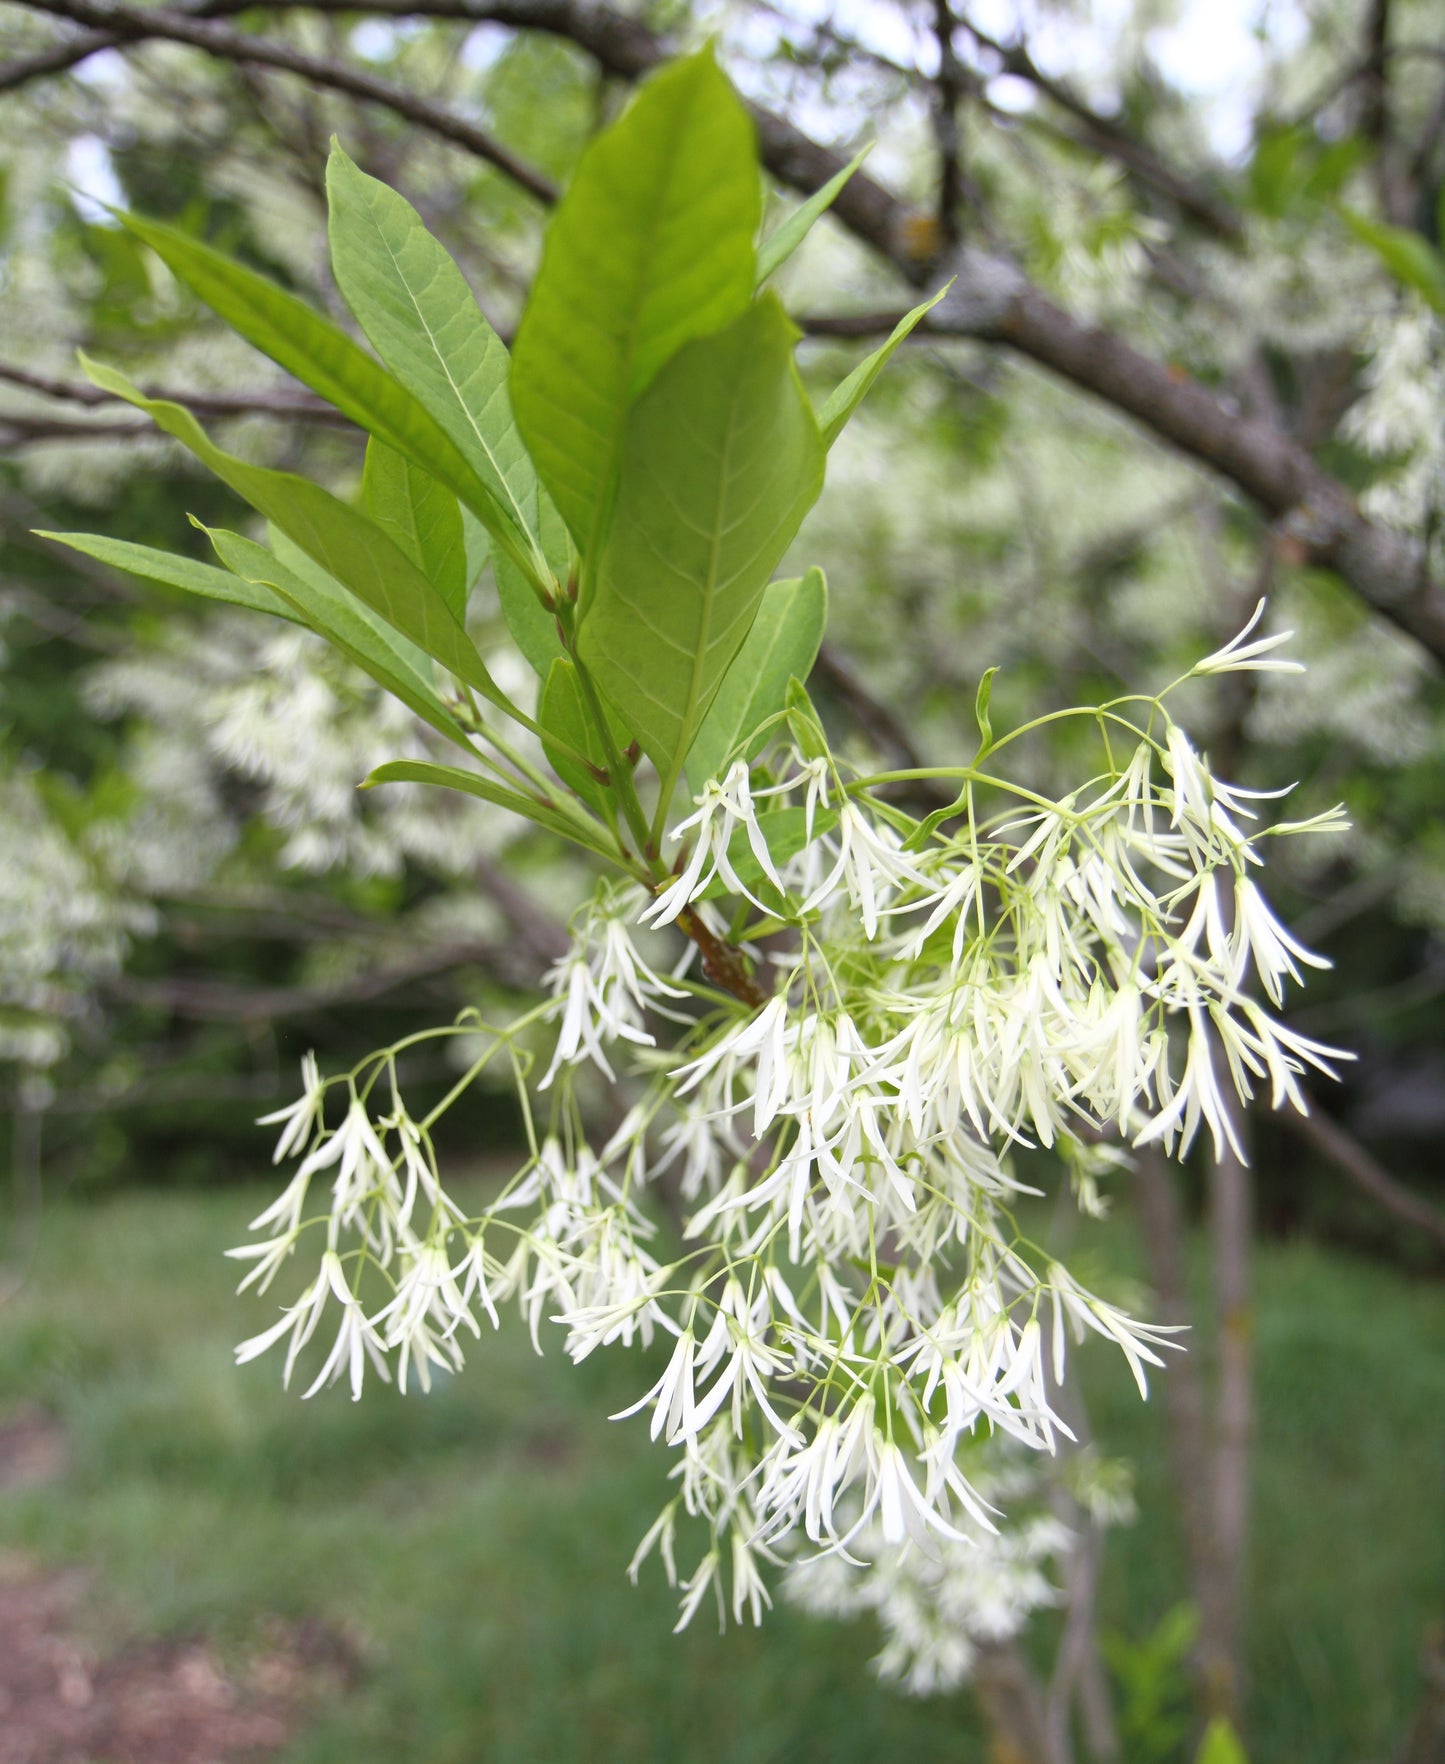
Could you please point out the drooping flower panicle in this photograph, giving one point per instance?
(853, 1305)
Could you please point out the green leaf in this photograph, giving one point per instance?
(329, 362)
(651, 247)
(342, 540)
(1407, 256)
(323, 604)
(476, 546)
(980, 710)
(422, 319)
(421, 516)
(847, 396)
(533, 628)
(720, 463)
(804, 722)
(784, 240)
(173, 571)
(531, 808)
(562, 712)
(532, 625)
(783, 641)
(1221, 1744)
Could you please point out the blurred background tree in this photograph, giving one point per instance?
(1194, 355)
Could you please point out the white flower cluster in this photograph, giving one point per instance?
(1400, 420)
(277, 707)
(936, 1607)
(851, 1300)
(63, 926)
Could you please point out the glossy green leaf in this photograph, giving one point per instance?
(330, 363)
(850, 393)
(533, 809)
(177, 572)
(783, 641)
(423, 320)
(721, 461)
(804, 722)
(346, 544)
(651, 247)
(562, 712)
(421, 516)
(981, 700)
(785, 239)
(363, 638)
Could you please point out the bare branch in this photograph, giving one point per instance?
(948, 90)
(1375, 108)
(30, 431)
(204, 1000)
(1352, 1160)
(130, 24)
(291, 406)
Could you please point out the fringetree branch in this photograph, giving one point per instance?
(991, 299)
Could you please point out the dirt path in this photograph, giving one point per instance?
(62, 1701)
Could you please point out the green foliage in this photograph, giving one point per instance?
(345, 542)
(1408, 257)
(1221, 1745)
(175, 571)
(783, 642)
(850, 393)
(1293, 168)
(422, 319)
(1153, 1683)
(665, 425)
(321, 602)
(544, 814)
(780, 244)
(328, 361)
(652, 247)
(562, 712)
(423, 519)
(720, 461)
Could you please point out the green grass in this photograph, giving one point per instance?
(475, 1540)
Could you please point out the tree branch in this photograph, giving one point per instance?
(204, 1000)
(947, 95)
(128, 24)
(991, 299)
(1352, 1160)
(1109, 135)
(291, 406)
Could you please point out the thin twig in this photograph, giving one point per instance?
(290, 406)
(130, 24)
(1112, 136)
(1338, 1147)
